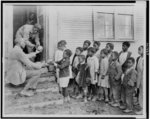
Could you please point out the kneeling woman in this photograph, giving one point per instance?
(22, 70)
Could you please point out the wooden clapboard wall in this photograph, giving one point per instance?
(75, 25)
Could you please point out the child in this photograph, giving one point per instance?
(114, 73)
(109, 47)
(124, 54)
(64, 73)
(60, 48)
(128, 86)
(103, 82)
(75, 60)
(93, 64)
(139, 69)
(83, 77)
(59, 56)
(86, 45)
(75, 63)
(96, 45)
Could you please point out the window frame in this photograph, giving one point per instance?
(115, 26)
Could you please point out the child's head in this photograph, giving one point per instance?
(78, 50)
(104, 53)
(86, 44)
(91, 51)
(115, 55)
(81, 58)
(109, 47)
(67, 53)
(61, 45)
(141, 50)
(130, 62)
(125, 46)
(96, 44)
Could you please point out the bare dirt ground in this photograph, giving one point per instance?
(49, 101)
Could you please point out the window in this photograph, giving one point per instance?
(125, 27)
(105, 25)
(113, 25)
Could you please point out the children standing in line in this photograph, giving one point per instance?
(96, 45)
(103, 82)
(64, 73)
(115, 72)
(139, 69)
(86, 45)
(83, 77)
(128, 86)
(93, 64)
(59, 56)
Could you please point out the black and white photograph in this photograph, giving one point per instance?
(74, 59)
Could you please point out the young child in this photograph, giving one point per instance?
(109, 47)
(75, 63)
(128, 85)
(64, 73)
(93, 64)
(124, 54)
(83, 77)
(59, 56)
(139, 69)
(86, 45)
(96, 45)
(75, 60)
(114, 72)
(103, 82)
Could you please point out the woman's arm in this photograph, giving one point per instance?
(27, 62)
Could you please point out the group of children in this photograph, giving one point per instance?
(100, 74)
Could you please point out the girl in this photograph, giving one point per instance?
(114, 73)
(64, 73)
(93, 64)
(103, 82)
(83, 77)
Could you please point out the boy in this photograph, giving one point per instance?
(64, 73)
(93, 64)
(128, 86)
(114, 72)
(86, 45)
(139, 69)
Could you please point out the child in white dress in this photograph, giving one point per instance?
(93, 65)
(59, 56)
(103, 82)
